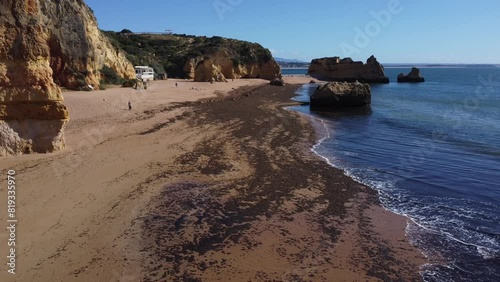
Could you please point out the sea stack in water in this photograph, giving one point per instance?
(341, 94)
(413, 76)
(336, 69)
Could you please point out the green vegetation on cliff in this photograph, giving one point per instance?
(169, 53)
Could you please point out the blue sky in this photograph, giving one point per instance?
(395, 31)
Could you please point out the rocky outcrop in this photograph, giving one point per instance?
(277, 82)
(78, 50)
(180, 55)
(190, 67)
(220, 67)
(208, 71)
(336, 69)
(269, 70)
(413, 76)
(68, 30)
(44, 43)
(341, 94)
(32, 114)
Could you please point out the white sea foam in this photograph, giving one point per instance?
(438, 222)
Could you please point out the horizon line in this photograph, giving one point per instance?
(471, 64)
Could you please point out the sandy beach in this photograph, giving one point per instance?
(198, 182)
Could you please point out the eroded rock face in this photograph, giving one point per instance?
(28, 136)
(32, 115)
(336, 69)
(277, 82)
(43, 42)
(413, 76)
(220, 67)
(341, 94)
(208, 71)
(78, 48)
(68, 32)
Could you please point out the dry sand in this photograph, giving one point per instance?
(225, 188)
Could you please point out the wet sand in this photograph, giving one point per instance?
(183, 189)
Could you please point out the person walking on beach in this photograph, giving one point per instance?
(129, 106)
(176, 84)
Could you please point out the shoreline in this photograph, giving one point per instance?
(389, 215)
(226, 185)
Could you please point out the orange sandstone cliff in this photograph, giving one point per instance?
(201, 58)
(336, 69)
(45, 44)
(220, 66)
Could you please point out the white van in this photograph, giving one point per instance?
(144, 73)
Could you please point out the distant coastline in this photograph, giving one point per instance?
(303, 65)
(427, 65)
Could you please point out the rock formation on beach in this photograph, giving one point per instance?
(341, 94)
(219, 67)
(200, 58)
(413, 76)
(277, 82)
(336, 69)
(44, 43)
(67, 31)
(78, 49)
(208, 71)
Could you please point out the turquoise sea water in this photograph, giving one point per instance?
(293, 71)
(432, 150)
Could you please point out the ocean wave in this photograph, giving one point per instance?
(457, 232)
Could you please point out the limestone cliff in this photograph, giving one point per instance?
(42, 43)
(336, 69)
(220, 66)
(208, 71)
(197, 57)
(78, 49)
